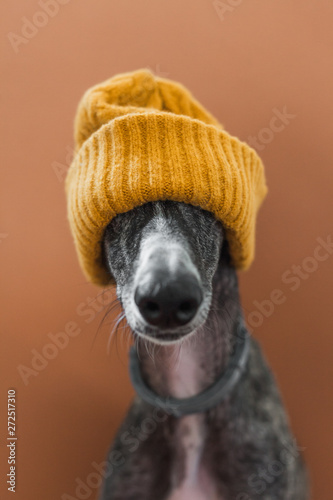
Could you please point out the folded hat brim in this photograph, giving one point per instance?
(144, 157)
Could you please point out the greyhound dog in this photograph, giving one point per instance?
(207, 422)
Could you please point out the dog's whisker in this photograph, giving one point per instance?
(121, 317)
(108, 311)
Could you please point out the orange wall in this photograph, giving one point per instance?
(245, 65)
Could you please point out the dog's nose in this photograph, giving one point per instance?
(169, 305)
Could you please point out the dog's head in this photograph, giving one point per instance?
(163, 256)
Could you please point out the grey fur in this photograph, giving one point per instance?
(247, 449)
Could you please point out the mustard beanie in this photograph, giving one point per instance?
(142, 138)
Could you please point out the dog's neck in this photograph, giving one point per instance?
(184, 370)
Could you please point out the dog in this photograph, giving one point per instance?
(179, 292)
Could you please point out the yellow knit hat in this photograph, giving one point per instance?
(142, 138)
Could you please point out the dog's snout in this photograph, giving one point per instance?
(169, 304)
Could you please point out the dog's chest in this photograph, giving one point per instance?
(190, 479)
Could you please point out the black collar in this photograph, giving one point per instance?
(206, 399)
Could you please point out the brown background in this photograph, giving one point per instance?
(258, 57)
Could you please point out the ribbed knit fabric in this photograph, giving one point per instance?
(141, 138)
